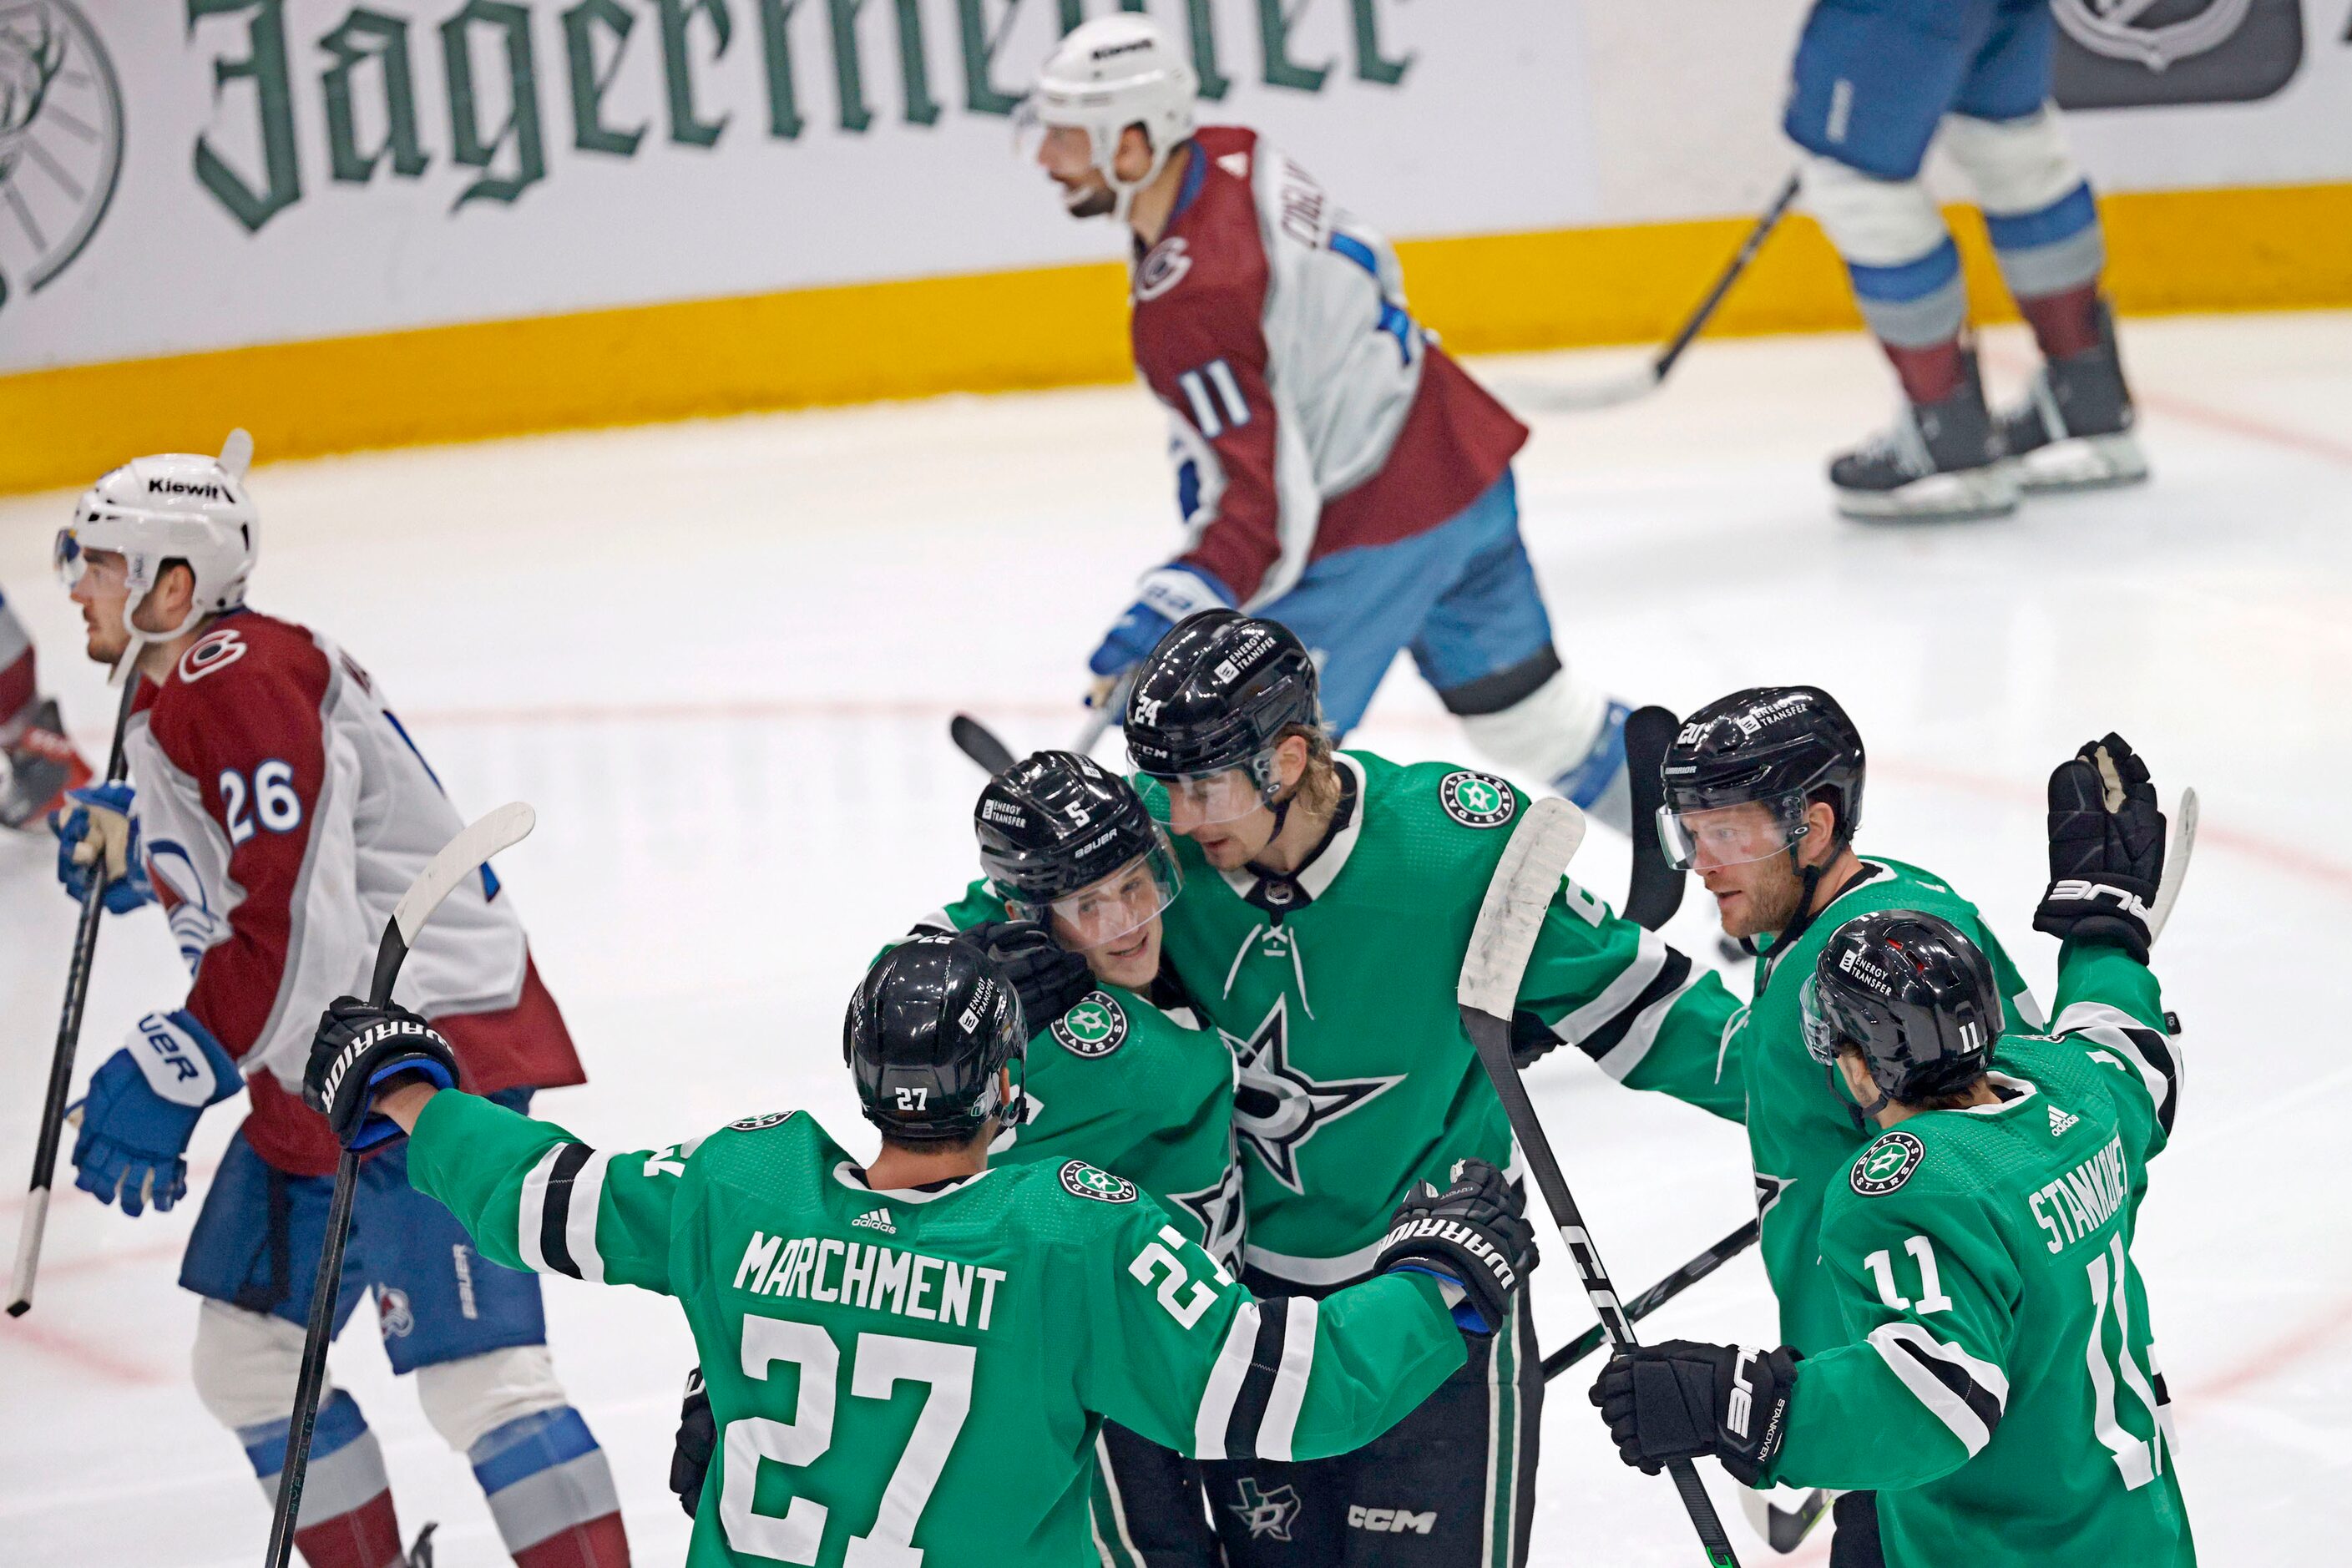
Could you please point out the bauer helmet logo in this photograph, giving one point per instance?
(60, 139)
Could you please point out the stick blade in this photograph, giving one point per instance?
(494, 831)
(978, 741)
(1656, 889)
(1525, 881)
(2176, 862)
(1586, 397)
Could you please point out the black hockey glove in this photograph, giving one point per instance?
(698, 1439)
(1681, 1399)
(1473, 1236)
(1049, 979)
(2106, 849)
(357, 1048)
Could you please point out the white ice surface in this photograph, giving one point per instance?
(719, 659)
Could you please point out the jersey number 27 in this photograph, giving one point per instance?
(881, 1362)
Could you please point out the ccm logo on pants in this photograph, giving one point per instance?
(1395, 1520)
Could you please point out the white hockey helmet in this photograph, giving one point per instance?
(171, 507)
(1106, 75)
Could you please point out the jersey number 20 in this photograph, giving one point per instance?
(881, 1362)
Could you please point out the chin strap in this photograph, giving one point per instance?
(1860, 1113)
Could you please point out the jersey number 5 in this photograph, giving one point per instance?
(881, 1362)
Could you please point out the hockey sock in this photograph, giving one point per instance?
(347, 1519)
(550, 1490)
(2066, 323)
(1929, 373)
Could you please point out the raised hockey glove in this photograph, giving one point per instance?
(1473, 1236)
(1165, 595)
(698, 1439)
(97, 829)
(142, 1104)
(2106, 849)
(1680, 1399)
(358, 1049)
(1049, 979)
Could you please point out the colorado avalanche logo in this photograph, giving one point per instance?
(1162, 269)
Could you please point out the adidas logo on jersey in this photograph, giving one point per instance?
(878, 1219)
(2061, 1119)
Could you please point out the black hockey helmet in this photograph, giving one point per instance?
(926, 1032)
(1216, 695)
(1054, 828)
(1913, 994)
(1774, 745)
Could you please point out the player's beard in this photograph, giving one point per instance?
(1089, 201)
(1769, 906)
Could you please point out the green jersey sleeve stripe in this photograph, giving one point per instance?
(530, 1212)
(2148, 1053)
(2027, 1008)
(1618, 1047)
(1964, 1394)
(1279, 1426)
(587, 1201)
(1223, 1388)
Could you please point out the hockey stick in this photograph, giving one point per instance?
(53, 1106)
(2176, 863)
(1523, 886)
(1654, 890)
(1655, 1297)
(1110, 702)
(1640, 382)
(978, 741)
(504, 828)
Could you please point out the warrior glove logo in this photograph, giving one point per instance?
(60, 139)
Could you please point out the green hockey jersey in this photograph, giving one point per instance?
(1998, 1385)
(1336, 988)
(903, 1374)
(1142, 1090)
(1801, 1133)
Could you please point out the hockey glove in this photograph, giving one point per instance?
(1048, 978)
(2106, 849)
(1473, 1236)
(1681, 1399)
(1165, 595)
(698, 1439)
(142, 1104)
(358, 1048)
(99, 827)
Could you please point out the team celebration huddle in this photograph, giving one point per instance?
(1209, 1186)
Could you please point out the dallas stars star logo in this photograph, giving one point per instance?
(1267, 1513)
(1278, 1108)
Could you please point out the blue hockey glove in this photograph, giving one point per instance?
(143, 1101)
(1166, 595)
(100, 824)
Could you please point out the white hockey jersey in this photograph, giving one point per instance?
(283, 811)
